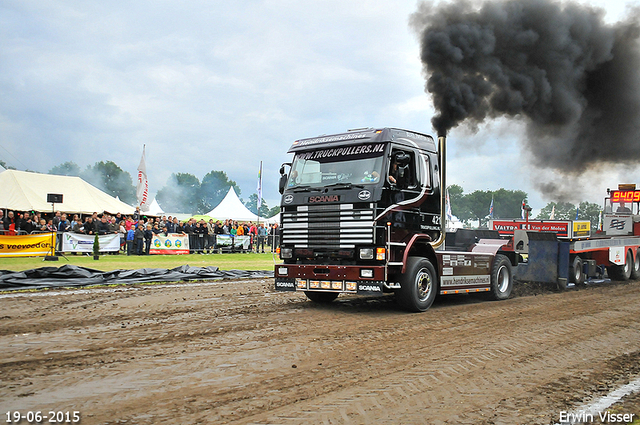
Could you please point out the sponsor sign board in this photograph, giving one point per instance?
(562, 228)
(173, 243)
(26, 245)
(617, 225)
(77, 242)
(237, 241)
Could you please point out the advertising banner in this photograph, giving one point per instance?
(173, 243)
(562, 228)
(618, 225)
(238, 241)
(77, 242)
(26, 245)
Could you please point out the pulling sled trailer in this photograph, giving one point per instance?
(568, 253)
(362, 212)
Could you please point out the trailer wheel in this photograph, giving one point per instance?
(635, 270)
(576, 271)
(321, 297)
(418, 286)
(622, 272)
(501, 278)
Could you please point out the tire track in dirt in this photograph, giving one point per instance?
(229, 358)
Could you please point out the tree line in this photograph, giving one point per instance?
(507, 204)
(183, 192)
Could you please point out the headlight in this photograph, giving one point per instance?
(366, 273)
(283, 271)
(286, 253)
(366, 254)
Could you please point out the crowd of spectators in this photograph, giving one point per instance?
(136, 231)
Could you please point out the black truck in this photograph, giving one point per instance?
(362, 213)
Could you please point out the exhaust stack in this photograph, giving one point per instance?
(442, 154)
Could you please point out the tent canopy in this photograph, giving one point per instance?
(25, 191)
(232, 208)
(154, 209)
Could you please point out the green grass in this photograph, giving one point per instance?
(248, 261)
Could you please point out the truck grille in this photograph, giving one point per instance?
(327, 226)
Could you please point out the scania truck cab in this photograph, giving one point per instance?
(362, 213)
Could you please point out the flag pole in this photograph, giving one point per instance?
(259, 202)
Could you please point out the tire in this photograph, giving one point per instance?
(501, 278)
(418, 285)
(635, 270)
(622, 272)
(576, 271)
(321, 297)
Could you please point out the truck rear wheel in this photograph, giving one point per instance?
(321, 297)
(576, 271)
(635, 270)
(418, 286)
(622, 272)
(501, 278)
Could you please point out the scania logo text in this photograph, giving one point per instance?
(285, 284)
(369, 288)
(323, 198)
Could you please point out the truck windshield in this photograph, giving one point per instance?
(349, 165)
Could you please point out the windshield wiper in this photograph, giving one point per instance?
(345, 185)
(305, 189)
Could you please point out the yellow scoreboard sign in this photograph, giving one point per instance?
(581, 228)
(26, 245)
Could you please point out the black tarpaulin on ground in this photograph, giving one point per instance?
(70, 275)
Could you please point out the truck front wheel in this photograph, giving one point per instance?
(418, 286)
(501, 278)
(321, 297)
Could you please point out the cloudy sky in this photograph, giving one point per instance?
(224, 85)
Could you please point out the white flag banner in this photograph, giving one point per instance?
(448, 206)
(259, 188)
(142, 190)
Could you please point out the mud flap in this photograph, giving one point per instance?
(285, 284)
(370, 288)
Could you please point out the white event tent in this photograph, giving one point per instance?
(26, 191)
(232, 208)
(154, 209)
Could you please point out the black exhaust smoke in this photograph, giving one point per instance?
(572, 78)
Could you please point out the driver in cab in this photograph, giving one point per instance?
(398, 173)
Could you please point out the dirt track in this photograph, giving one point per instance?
(238, 352)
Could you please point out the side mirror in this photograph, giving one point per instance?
(283, 178)
(282, 167)
(283, 181)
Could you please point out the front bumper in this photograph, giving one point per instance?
(363, 280)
